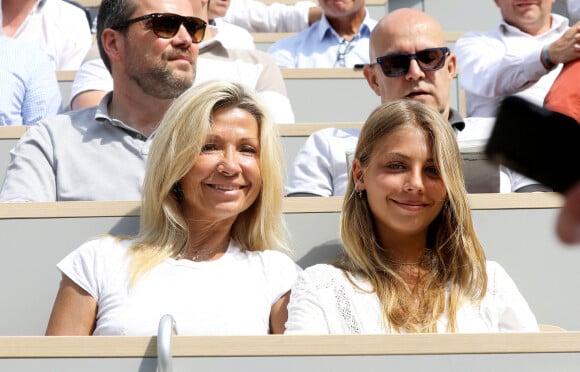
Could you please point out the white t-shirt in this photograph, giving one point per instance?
(324, 301)
(60, 29)
(229, 296)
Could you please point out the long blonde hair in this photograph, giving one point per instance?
(177, 144)
(458, 259)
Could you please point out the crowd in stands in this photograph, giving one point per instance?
(174, 106)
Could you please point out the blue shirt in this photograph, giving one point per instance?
(320, 46)
(29, 89)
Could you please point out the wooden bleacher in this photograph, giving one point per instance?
(516, 230)
(530, 352)
(317, 94)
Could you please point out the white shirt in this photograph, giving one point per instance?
(502, 62)
(255, 16)
(324, 301)
(60, 29)
(229, 296)
(321, 166)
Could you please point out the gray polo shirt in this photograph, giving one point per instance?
(80, 155)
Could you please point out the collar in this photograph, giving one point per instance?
(215, 42)
(102, 116)
(324, 29)
(559, 24)
(456, 120)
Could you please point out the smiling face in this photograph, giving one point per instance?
(409, 31)
(531, 16)
(226, 178)
(403, 186)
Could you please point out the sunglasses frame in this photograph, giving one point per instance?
(201, 24)
(445, 50)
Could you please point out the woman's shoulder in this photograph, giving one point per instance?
(324, 275)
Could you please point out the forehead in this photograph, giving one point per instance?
(406, 139)
(181, 7)
(408, 38)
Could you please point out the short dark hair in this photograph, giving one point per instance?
(112, 13)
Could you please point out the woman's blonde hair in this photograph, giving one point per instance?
(458, 259)
(177, 144)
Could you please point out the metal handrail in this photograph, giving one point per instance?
(167, 328)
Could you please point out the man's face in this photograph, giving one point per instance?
(163, 68)
(531, 16)
(430, 87)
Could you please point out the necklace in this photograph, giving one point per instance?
(423, 261)
(202, 254)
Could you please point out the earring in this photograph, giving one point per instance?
(360, 194)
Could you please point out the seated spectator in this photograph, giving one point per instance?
(413, 262)
(521, 57)
(237, 37)
(339, 39)
(57, 27)
(211, 213)
(100, 153)
(564, 95)
(412, 62)
(256, 16)
(29, 90)
(217, 60)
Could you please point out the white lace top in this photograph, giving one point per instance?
(323, 301)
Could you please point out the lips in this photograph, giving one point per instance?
(181, 57)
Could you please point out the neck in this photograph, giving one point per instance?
(207, 240)
(138, 110)
(347, 27)
(14, 12)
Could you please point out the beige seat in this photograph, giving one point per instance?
(551, 328)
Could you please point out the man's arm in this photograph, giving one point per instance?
(31, 172)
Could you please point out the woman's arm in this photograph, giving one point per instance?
(74, 312)
(279, 314)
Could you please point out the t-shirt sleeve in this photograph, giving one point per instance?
(281, 273)
(88, 264)
(514, 313)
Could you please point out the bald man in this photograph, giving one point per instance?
(410, 60)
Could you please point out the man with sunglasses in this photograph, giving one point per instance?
(99, 153)
(522, 56)
(219, 58)
(409, 61)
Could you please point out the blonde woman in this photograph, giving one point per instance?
(211, 213)
(412, 262)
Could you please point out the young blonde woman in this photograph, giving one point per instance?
(211, 213)
(412, 262)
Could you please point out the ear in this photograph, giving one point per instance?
(358, 176)
(112, 44)
(371, 77)
(452, 65)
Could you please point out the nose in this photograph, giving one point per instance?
(182, 38)
(415, 72)
(414, 182)
(229, 164)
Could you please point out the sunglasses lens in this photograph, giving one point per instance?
(431, 59)
(166, 26)
(196, 29)
(396, 65)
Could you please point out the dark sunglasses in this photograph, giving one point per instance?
(166, 25)
(431, 59)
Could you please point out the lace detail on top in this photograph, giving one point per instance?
(333, 281)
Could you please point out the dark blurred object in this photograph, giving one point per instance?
(541, 144)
